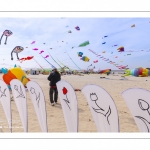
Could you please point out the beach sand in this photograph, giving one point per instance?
(55, 119)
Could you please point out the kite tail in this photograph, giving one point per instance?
(72, 61)
(6, 40)
(17, 56)
(12, 54)
(49, 63)
(55, 60)
(38, 64)
(1, 38)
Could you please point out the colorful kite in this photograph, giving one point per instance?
(41, 52)
(85, 58)
(16, 50)
(138, 72)
(121, 49)
(26, 58)
(35, 49)
(33, 42)
(6, 33)
(80, 54)
(84, 44)
(46, 56)
(106, 71)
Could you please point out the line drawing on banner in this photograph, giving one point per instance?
(20, 93)
(32, 90)
(94, 97)
(144, 107)
(2, 93)
(65, 91)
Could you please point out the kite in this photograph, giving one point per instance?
(123, 67)
(95, 61)
(128, 54)
(41, 52)
(85, 58)
(77, 28)
(69, 31)
(121, 49)
(26, 58)
(106, 71)
(84, 44)
(14, 73)
(46, 56)
(104, 52)
(6, 33)
(16, 50)
(33, 42)
(133, 26)
(50, 48)
(35, 49)
(80, 54)
(138, 72)
(104, 43)
(114, 45)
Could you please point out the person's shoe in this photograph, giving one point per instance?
(52, 104)
(55, 102)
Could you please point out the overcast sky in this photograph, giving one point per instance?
(52, 31)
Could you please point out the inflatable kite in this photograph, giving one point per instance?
(33, 42)
(46, 56)
(6, 33)
(138, 72)
(41, 52)
(121, 49)
(14, 73)
(16, 50)
(85, 58)
(35, 49)
(80, 54)
(84, 44)
(106, 71)
(26, 58)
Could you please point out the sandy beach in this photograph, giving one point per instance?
(55, 119)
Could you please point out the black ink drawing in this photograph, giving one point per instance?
(2, 93)
(65, 91)
(20, 93)
(145, 107)
(32, 90)
(94, 97)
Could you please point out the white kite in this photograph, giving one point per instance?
(69, 104)
(39, 103)
(6, 103)
(138, 101)
(20, 99)
(102, 107)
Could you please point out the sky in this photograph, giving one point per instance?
(54, 33)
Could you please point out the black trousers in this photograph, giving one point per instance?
(53, 94)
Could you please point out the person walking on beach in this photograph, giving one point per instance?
(54, 77)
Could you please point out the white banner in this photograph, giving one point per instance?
(102, 107)
(69, 104)
(6, 102)
(20, 99)
(138, 101)
(38, 100)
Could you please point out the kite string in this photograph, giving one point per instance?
(73, 61)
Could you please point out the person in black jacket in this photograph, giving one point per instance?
(54, 77)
